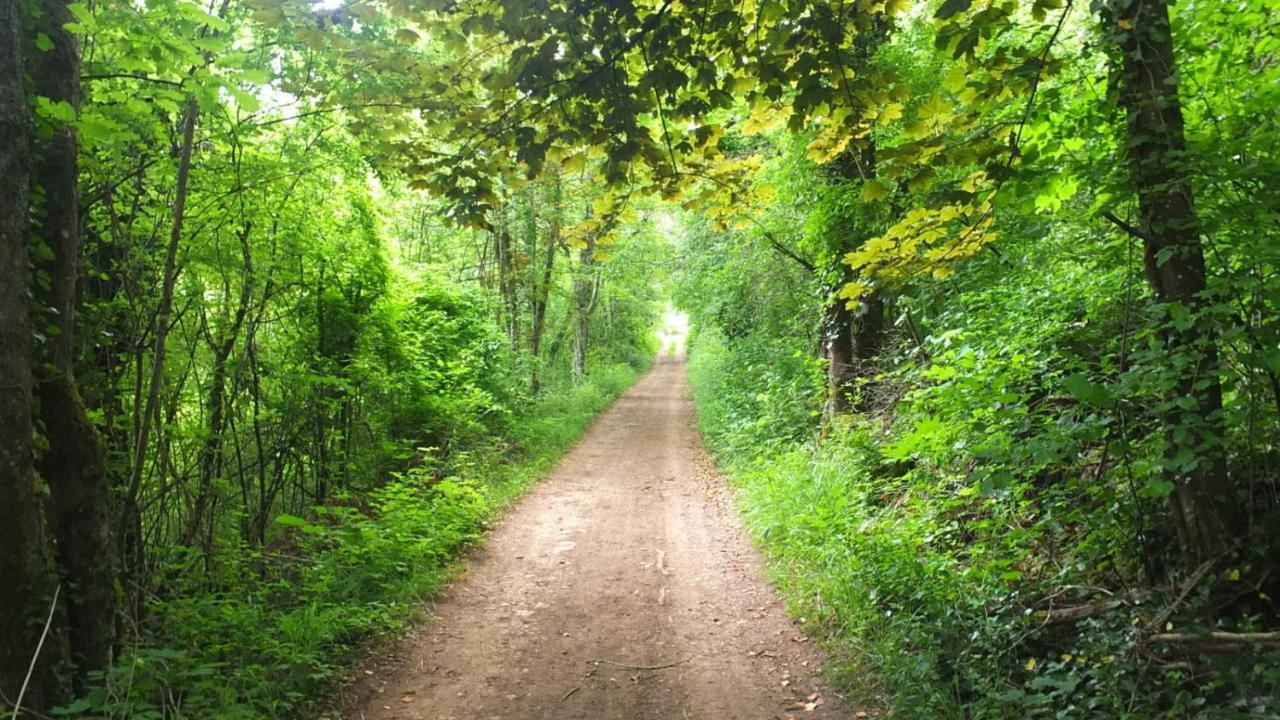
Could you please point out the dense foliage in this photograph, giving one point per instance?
(985, 293)
(281, 390)
(991, 526)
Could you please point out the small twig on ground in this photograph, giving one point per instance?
(1219, 637)
(566, 695)
(1073, 613)
(17, 706)
(639, 667)
(6, 702)
(1159, 621)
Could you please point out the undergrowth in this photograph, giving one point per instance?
(290, 618)
(943, 540)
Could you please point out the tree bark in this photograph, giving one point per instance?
(507, 285)
(851, 339)
(74, 464)
(26, 564)
(1174, 257)
(542, 291)
(586, 288)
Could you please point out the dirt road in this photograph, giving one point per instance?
(622, 586)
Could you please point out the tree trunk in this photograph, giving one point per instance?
(131, 516)
(852, 338)
(542, 292)
(507, 285)
(74, 463)
(1202, 499)
(210, 461)
(586, 287)
(26, 563)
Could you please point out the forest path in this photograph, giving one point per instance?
(629, 554)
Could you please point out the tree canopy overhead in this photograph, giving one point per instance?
(287, 284)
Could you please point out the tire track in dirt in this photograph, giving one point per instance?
(622, 586)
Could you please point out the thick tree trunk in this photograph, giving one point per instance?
(1202, 499)
(837, 342)
(74, 463)
(851, 340)
(27, 576)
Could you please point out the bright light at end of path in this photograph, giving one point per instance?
(673, 333)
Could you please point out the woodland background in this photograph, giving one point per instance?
(295, 296)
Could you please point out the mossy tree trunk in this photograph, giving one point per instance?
(74, 462)
(27, 562)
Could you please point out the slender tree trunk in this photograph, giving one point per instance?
(131, 513)
(1203, 504)
(210, 462)
(27, 576)
(542, 291)
(507, 285)
(586, 288)
(74, 463)
(258, 522)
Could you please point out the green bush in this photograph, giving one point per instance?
(288, 620)
(925, 541)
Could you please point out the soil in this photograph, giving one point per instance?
(621, 586)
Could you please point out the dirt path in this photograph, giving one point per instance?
(629, 554)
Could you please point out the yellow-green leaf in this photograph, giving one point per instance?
(874, 190)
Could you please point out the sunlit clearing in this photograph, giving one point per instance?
(673, 333)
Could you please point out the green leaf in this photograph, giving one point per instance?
(1088, 392)
(58, 112)
(873, 191)
(300, 523)
(951, 8)
(1156, 488)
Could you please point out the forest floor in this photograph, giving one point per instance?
(622, 586)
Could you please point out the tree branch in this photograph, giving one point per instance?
(1125, 226)
(132, 76)
(786, 251)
